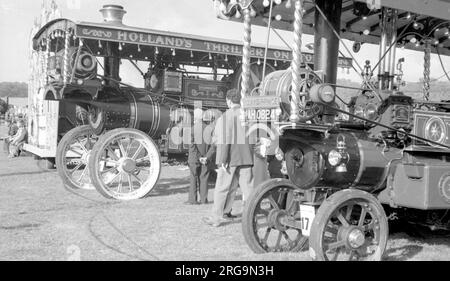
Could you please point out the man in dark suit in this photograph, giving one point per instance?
(234, 158)
(200, 159)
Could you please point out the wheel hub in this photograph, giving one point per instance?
(276, 218)
(127, 165)
(356, 238)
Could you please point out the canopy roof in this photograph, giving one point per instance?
(141, 43)
(431, 18)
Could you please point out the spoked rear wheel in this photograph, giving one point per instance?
(72, 157)
(125, 164)
(271, 205)
(350, 225)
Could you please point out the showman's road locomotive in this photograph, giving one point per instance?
(349, 171)
(122, 130)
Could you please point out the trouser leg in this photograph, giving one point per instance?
(192, 197)
(232, 192)
(222, 192)
(204, 178)
(260, 171)
(245, 175)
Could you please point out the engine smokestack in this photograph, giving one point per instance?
(113, 14)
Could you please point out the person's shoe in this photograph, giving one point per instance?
(210, 221)
(229, 216)
(190, 203)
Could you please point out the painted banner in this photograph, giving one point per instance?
(177, 41)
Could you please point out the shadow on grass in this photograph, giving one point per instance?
(27, 173)
(402, 253)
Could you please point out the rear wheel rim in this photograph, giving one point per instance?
(271, 209)
(128, 167)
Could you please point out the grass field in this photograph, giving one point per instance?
(41, 220)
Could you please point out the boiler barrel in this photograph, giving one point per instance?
(128, 108)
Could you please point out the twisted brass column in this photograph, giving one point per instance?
(426, 69)
(245, 75)
(296, 63)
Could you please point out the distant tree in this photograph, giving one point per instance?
(3, 106)
(13, 89)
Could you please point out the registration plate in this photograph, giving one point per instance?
(265, 114)
(261, 108)
(307, 214)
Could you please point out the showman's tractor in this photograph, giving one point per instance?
(117, 151)
(349, 171)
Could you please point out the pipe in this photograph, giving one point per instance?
(382, 50)
(390, 67)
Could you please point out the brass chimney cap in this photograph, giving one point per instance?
(113, 13)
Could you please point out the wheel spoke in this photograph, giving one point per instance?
(109, 181)
(76, 167)
(352, 254)
(272, 202)
(335, 245)
(130, 182)
(83, 173)
(341, 218)
(137, 178)
(136, 153)
(112, 153)
(286, 236)
(349, 212)
(362, 216)
(129, 146)
(122, 149)
(143, 158)
(74, 151)
(119, 186)
(266, 236)
(277, 245)
(108, 170)
(82, 146)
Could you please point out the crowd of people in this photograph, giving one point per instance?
(228, 149)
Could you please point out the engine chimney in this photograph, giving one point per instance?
(113, 14)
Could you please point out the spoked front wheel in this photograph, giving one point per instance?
(269, 219)
(350, 225)
(125, 164)
(72, 157)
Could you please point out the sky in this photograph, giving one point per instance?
(184, 16)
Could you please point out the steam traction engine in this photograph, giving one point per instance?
(126, 128)
(389, 155)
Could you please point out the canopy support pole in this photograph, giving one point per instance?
(296, 63)
(245, 76)
(426, 69)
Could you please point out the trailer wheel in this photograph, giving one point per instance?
(350, 225)
(125, 164)
(271, 204)
(72, 156)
